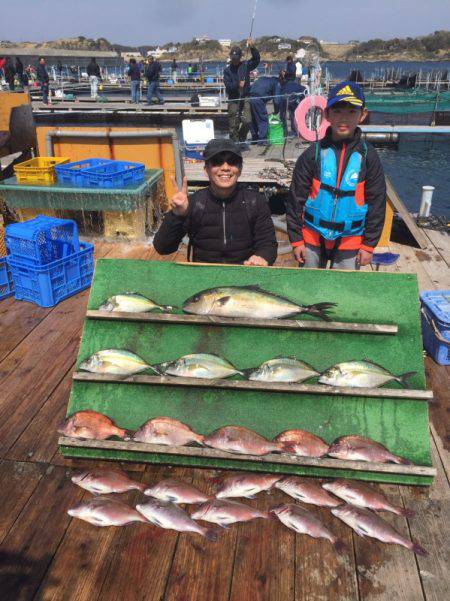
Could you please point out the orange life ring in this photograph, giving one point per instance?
(300, 118)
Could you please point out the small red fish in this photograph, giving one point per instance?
(91, 425)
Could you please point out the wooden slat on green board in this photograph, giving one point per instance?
(277, 324)
(345, 391)
(370, 298)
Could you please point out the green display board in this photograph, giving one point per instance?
(401, 425)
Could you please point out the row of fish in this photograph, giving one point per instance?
(356, 374)
(162, 510)
(226, 301)
(89, 424)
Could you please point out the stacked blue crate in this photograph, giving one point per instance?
(435, 309)
(47, 261)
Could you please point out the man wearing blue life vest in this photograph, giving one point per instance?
(337, 202)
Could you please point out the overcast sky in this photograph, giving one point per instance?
(159, 21)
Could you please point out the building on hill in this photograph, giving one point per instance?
(226, 43)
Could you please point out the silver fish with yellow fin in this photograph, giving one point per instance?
(361, 374)
(114, 361)
(281, 369)
(249, 301)
(132, 302)
(200, 365)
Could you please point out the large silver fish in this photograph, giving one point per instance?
(246, 485)
(302, 443)
(105, 511)
(167, 515)
(249, 301)
(307, 492)
(176, 492)
(358, 448)
(114, 361)
(132, 302)
(356, 493)
(227, 512)
(166, 430)
(200, 365)
(281, 369)
(302, 521)
(367, 523)
(101, 482)
(361, 374)
(237, 439)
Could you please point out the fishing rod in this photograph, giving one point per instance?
(253, 18)
(241, 99)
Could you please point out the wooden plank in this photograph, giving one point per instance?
(382, 568)
(211, 320)
(17, 320)
(390, 468)
(438, 376)
(441, 242)
(202, 569)
(141, 559)
(435, 266)
(442, 452)
(320, 573)
(28, 549)
(398, 205)
(17, 483)
(382, 393)
(264, 566)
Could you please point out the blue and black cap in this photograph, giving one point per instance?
(346, 91)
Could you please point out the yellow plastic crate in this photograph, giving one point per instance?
(40, 170)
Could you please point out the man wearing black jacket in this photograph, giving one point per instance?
(225, 222)
(152, 73)
(93, 71)
(43, 79)
(236, 78)
(337, 202)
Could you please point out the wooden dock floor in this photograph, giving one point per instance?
(46, 555)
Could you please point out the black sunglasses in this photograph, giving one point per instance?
(225, 157)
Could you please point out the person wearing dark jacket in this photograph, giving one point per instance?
(43, 79)
(291, 94)
(134, 73)
(10, 73)
(152, 74)
(290, 71)
(93, 71)
(236, 78)
(19, 71)
(225, 222)
(262, 91)
(337, 203)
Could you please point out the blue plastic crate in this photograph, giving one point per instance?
(72, 173)
(49, 284)
(115, 174)
(42, 240)
(436, 324)
(6, 285)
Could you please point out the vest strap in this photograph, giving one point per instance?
(332, 225)
(337, 192)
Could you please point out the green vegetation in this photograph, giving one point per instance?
(435, 45)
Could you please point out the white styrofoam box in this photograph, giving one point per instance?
(199, 131)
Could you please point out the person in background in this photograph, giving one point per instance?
(43, 79)
(291, 94)
(225, 222)
(189, 71)
(2, 66)
(262, 91)
(93, 71)
(337, 203)
(10, 73)
(290, 71)
(152, 74)
(174, 71)
(59, 68)
(236, 78)
(134, 73)
(298, 70)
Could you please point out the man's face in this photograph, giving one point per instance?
(223, 170)
(344, 119)
(42, 61)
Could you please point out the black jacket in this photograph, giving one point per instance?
(152, 71)
(41, 74)
(93, 69)
(222, 231)
(307, 168)
(134, 73)
(233, 74)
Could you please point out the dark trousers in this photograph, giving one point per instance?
(153, 90)
(239, 119)
(44, 90)
(260, 119)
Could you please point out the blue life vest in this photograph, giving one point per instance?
(337, 212)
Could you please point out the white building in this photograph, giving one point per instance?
(127, 55)
(155, 53)
(284, 46)
(225, 43)
(202, 39)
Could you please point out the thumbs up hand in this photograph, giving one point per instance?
(180, 202)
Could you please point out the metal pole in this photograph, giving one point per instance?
(425, 203)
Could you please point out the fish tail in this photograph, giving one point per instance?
(156, 368)
(128, 435)
(320, 310)
(246, 372)
(403, 378)
(212, 535)
(418, 550)
(340, 546)
(167, 308)
(401, 460)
